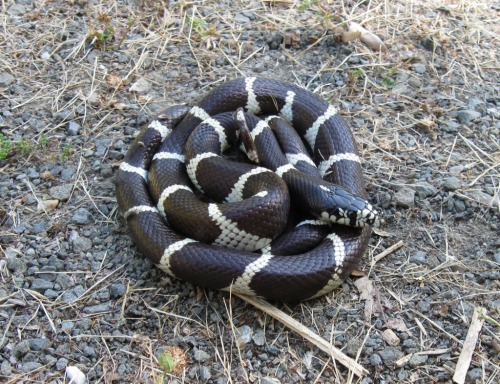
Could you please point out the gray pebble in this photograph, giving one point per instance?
(425, 189)
(16, 10)
(82, 244)
(200, 355)
(39, 344)
(61, 363)
(375, 359)
(106, 170)
(419, 257)
(204, 373)
(424, 306)
(466, 116)
(259, 338)
(475, 375)
(6, 79)
(259, 67)
(240, 18)
(6, 368)
(405, 198)
(61, 192)
(419, 68)
(64, 115)
(117, 290)
(81, 216)
(40, 285)
(98, 308)
(29, 366)
(244, 334)
(459, 205)
(269, 380)
(32, 173)
(20, 349)
(263, 356)
(15, 264)
(482, 198)
(40, 227)
(417, 360)
(67, 173)
(389, 355)
(73, 128)
(451, 184)
(73, 294)
(429, 43)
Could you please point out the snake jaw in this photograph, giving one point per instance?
(353, 218)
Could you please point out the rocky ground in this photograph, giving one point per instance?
(78, 79)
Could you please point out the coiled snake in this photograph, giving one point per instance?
(239, 234)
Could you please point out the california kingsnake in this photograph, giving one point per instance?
(158, 185)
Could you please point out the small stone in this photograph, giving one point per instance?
(47, 205)
(61, 192)
(39, 344)
(73, 128)
(204, 373)
(417, 360)
(45, 56)
(6, 79)
(40, 285)
(425, 189)
(73, 294)
(240, 18)
(390, 337)
(424, 306)
(259, 67)
(140, 86)
(200, 355)
(244, 334)
(259, 338)
(375, 359)
(405, 198)
(451, 184)
(16, 10)
(81, 216)
(429, 43)
(29, 366)
(475, 375)
(61, 363)
(117, 290)
(482, 198)
(20, 349)
(269, 380)
(420, 257)
(389, 355)
(99, 308)
(466, 116)
(419, 68)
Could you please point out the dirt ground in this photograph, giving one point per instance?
(78, 80)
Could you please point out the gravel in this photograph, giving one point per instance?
(77, 294)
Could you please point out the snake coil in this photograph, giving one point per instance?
(239, 234)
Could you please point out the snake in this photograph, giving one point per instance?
(257, 188)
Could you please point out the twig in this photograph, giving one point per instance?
(294, 325)
(469, 344)
(388, 251)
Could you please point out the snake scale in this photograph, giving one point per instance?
(287, 223)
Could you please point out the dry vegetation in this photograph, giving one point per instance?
(109, 66)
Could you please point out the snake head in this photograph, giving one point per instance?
(348, 209)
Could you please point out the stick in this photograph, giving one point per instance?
(294, 325)
(469, 344)
(388, 251)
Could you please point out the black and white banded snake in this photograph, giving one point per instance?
(235, 239)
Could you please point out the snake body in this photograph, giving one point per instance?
(239, 235)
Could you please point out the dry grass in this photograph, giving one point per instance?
(66, 60)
